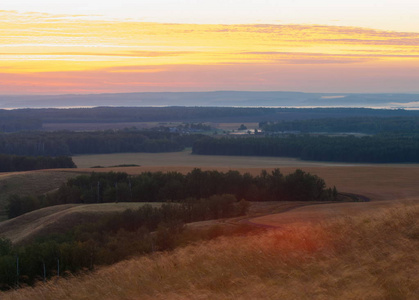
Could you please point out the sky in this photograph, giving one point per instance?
(90, 46)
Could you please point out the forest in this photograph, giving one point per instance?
(368, 125)
(382, 148)
(38, 143)
(15, 163)
(175, 187)
(392, 135)
(33, 119)
(388, 140)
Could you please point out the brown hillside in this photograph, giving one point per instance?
(366, 257)
(30, 183)
(378, 182)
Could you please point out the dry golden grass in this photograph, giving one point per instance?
(374, 256)
(315, 213)
(186, 159)
(58, 219)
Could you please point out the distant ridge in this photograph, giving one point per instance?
(215, 98)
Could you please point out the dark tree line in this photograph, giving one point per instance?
(383, 148)
(184, 127)
(32, 119)
(13, 163)
(71, 143)
(175, 187)
(371, 125)
(19, 124)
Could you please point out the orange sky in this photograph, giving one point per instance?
(56, 54)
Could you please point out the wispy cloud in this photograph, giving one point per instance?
(74, 50)
(120, 54)
(344, 58)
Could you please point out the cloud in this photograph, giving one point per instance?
(310, 58)
(322, 55)
(389, 42)
(41, 17)
(42, 51)
(121, 54)
(321, 61)
(135, 69)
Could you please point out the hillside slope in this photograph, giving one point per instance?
(58, 219)
(30, 183)
(374, 256)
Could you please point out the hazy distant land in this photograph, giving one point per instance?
(216, 98)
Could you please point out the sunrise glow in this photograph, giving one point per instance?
(56, 53)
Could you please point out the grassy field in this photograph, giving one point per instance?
(29, 183)
(58, 219)
(304, 214)
(365, 257)
(32, 182)
(186, 159)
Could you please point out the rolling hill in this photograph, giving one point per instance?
(374, 256)
(58, 219)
